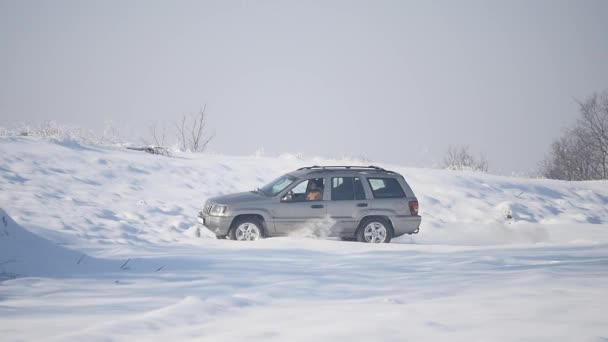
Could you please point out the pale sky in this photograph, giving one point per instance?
(397, 81)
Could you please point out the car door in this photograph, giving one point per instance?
(298, 210)
(347, 204)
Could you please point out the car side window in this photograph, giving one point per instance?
(299, 191)
(346, 188)
(308, 190)
(314, 192)
(386, 188)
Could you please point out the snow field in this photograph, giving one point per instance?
(100, 243)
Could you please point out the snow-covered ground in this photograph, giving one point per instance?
(101, 243)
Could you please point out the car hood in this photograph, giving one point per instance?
(240, 197)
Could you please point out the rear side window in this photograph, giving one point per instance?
(346, 188)
(386, 188)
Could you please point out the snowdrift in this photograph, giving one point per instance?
(25, 254)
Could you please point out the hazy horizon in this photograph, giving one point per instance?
(394, 81)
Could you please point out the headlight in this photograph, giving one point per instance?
(218, 210)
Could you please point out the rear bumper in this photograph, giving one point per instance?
(406, 224)
(217, 224)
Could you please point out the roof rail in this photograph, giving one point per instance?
(342, 167)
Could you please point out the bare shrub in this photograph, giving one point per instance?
(459, 158)
(50, 129)
(158, 137)
(191, 132)
(581, 153)
(110, 134)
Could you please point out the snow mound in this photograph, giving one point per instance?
(25, 254)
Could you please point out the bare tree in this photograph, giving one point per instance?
(198, 143)
(191, 133)
(594, 123)
(459, 158)
(581, 153)
(570, 158)
(158, 138)
(180, 127)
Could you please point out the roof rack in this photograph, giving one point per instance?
(342, 167)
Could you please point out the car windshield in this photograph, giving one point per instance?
(277, 185)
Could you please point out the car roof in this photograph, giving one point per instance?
(343, 170)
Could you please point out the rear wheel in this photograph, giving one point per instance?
(246, 229)
(374, 230)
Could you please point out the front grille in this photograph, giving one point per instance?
(207, 209)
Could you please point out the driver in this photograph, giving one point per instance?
(315, 193)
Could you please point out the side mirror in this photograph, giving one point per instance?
(287, 198)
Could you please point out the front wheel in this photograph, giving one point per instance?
(374, 230)
(247, 229)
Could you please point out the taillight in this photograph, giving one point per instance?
(413, 208)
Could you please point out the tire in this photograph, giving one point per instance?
(246, 229)
(374, 230)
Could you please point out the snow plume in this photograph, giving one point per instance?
(315, 228)
(487, 234)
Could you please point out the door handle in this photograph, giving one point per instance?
(361, 204)
(317, 206)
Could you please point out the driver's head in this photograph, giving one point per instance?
(313, 185)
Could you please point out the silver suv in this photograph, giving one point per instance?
(363, 203)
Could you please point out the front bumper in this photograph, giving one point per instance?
(217, 224)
